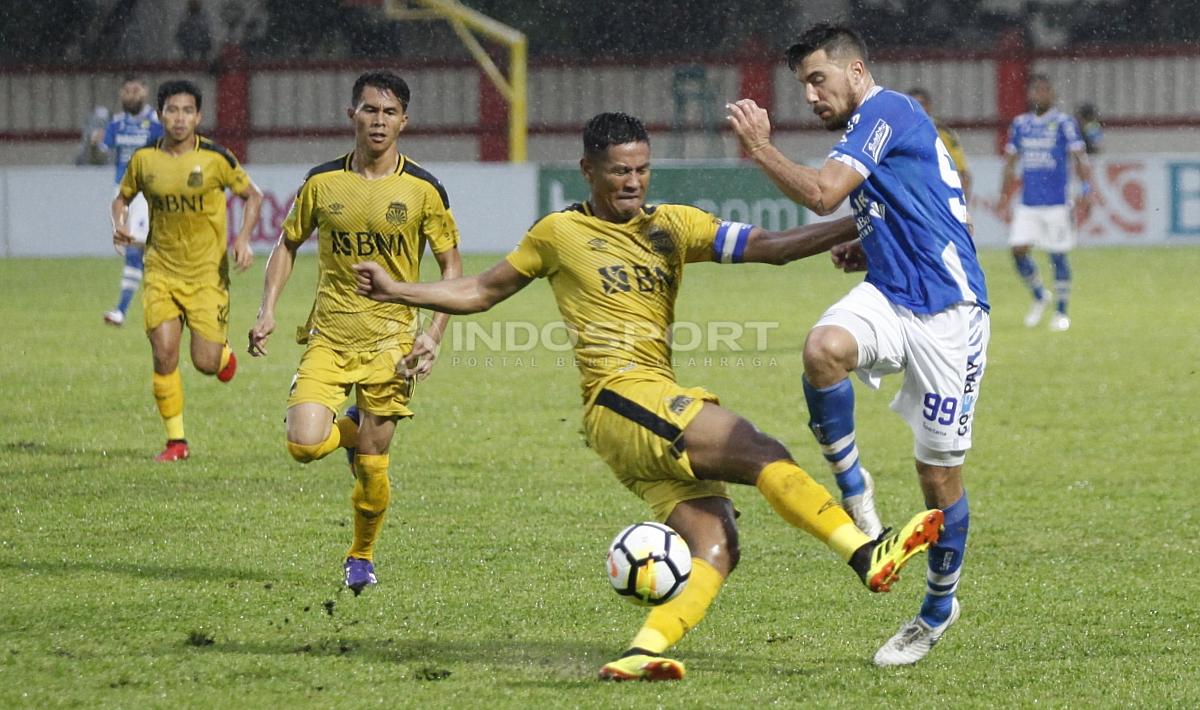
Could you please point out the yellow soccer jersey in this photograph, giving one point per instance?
(186, 194)
(616, 284)
(953, 145)
(388, 220)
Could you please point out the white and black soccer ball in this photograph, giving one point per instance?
(648, 563)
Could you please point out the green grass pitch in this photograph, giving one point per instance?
(216, 582)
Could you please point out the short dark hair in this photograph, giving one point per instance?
(384, 80)
(834, 39)
(134, 79)
(919, 92)
(1035, 78)
(612, 128)
(167, 89)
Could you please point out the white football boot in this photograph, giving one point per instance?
(862, 508)
(1059, 322)
(914, 640)
(1034, 316)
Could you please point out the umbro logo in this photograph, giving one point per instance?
(597, 244)
(336, 208)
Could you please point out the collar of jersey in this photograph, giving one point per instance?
(348, 159)
(195, 144)
(587, 210)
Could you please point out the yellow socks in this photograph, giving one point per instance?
(343, 433)
(372, 492)
(168, 395)
(806, 504)
(668, 623)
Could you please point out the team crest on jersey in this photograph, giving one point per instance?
(597, 244)
(880, 135)
(336, 208)
(196, 177)
(660, 241)
(397, 213)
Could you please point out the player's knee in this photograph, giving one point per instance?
(304, 453)
(828, 353)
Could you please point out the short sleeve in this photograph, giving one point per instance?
(872, 130)
(439, 227)
(234, 176)
(534, 257)
(130, 181)
(698, 233)
(301, 219)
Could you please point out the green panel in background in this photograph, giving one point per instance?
(733, 192)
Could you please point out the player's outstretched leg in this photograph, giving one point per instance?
(1062, 291)
(940, 610)
(831, 419)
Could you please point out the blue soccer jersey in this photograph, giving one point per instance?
(126, 133)
(910, 210)
(1043, 143)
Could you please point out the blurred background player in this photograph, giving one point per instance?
(1089, 127)
(184, 177)
(133, 127)
(921, 310)
(615, 265)
(373, 204)
(950, 139)
(1041, 140)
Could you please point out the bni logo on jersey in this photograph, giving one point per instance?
(880, 135)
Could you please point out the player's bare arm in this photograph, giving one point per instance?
(122, 237)
(243, 255)
(419, 361)
(819, 190)
(765, 247)
(279, 269)
(471, 294)
(1008, 185)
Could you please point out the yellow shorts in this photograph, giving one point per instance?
(325, 376)
(204, 307)
(636, 425)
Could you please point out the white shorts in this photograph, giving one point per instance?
(942, 356)
(138, 216)
(1047, 228)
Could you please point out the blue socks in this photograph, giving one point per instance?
(1028, 270)
(1062, 281)
(130, 277)
(945, 564)
(831, 418)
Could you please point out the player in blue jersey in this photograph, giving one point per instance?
(136, 125)
(922, 309)
(1041, 140)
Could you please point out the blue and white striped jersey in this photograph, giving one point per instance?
(909, 209)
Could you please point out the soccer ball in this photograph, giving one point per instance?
(648, 563)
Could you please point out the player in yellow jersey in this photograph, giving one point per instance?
(371, 205)
(950, 138)
(615, 265)
(184, 177)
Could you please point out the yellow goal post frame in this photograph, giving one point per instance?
(466, 22)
